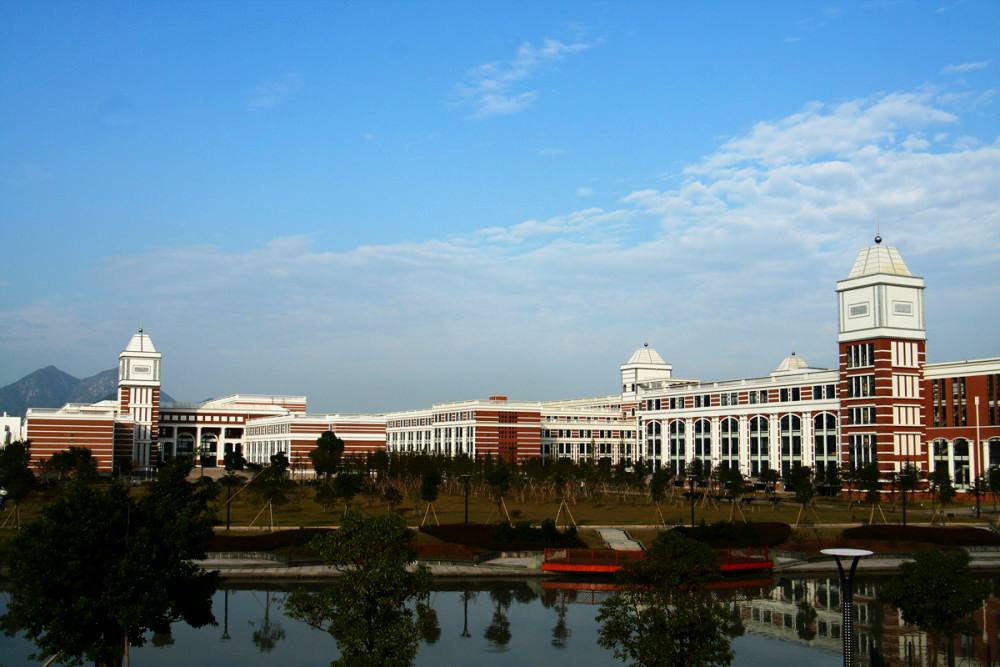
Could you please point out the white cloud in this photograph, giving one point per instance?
(723, 271)
(272, 93)
(584, 191)
(966, 67)
(368, 136)
(491, 89)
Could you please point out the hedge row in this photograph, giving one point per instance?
(723, 535)
(959, 537)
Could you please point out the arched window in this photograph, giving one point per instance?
(791, 442)
(209, 450)
(185, 444)
(960, 459)
(654, 440)
(993, 447)
(676, 436)
(759, 445)
(824, 442)
(940, 449)
(729, 430)
(703, 443)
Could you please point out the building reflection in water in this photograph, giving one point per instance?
(807, 612)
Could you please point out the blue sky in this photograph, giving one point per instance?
(383, 205)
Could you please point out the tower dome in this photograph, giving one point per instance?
(792, 363)
(646, 355)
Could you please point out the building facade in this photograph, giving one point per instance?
(883, 404)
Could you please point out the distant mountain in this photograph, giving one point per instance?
(50, 387)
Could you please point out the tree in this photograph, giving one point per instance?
(869, 479)
(941, 490)
(994, 484)
(658, 485)
(16, 477)
(345, 487)
(272, 485)
(392, 497)
(662, 615)
(909, 479)
(938, 592)
(733, 486)
(326, 457)
(769, 478)
(366, 609)
(499, 480)
(695, 474)
(75, 462)
(430, 485)
(233, 462)
(126, 567)
(800, 481)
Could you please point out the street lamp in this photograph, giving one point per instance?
(847, 595)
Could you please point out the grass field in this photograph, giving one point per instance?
(302, 510)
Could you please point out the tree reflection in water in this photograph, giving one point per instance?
(268, 632)
(559, 599)
(498, 631)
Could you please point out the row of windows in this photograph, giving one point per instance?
(957, 407)
(170, 417)
(586, 433)
(269, 429)
(789, 433)
(754, 397)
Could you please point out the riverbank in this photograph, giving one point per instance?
(253, 569)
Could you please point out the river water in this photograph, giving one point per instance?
(530, 622)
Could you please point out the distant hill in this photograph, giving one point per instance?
(50, 387)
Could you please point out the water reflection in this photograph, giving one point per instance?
(787, 621)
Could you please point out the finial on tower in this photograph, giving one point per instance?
(646, 344)
(878, 235)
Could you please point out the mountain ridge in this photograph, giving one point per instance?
(51, 387)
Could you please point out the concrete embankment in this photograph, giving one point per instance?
(251, 569)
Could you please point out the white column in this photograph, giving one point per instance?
(744, 448)
(716, 443)
(688, 440)
(808, 442)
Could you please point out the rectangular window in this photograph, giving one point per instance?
(993, 399)
(861, 386)
(958, 402)
(857, 310)
(902, 308)
(862, 449)
(859, 356)
(861, 415)
(783, 395)
(796, 394)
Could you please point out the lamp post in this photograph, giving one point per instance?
(847, 595)
(465, 481)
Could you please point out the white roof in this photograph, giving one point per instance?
(879, 259)
(646, 355)
(792, 363)
(140, 342)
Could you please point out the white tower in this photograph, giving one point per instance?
(139, 395)
(882, 354)
(644, 365)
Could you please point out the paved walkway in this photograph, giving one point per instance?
(618, 539)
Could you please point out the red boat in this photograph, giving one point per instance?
(609, 561)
